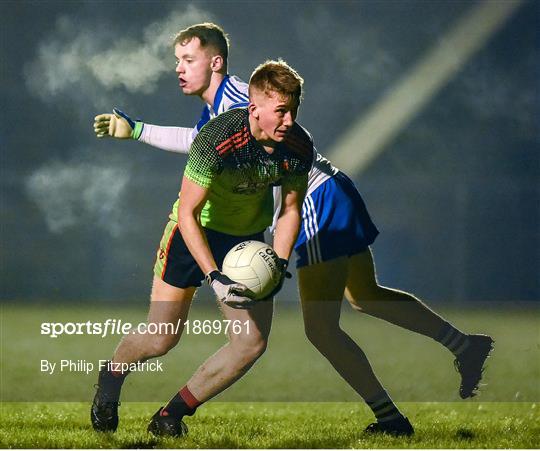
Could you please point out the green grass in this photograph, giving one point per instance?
(277, 425)
(291, 398)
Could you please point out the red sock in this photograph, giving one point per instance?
(188, 398)
(183, 403)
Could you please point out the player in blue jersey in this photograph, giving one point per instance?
(333, 248)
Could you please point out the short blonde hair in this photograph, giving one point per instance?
(277, 76)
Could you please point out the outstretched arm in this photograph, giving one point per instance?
(119, 125)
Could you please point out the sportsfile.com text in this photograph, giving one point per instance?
(119, 327)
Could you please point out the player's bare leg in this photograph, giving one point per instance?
(169, 306)
(234, 359)
(321, 292)
(395, 306)
(405, 310)
(221, 370)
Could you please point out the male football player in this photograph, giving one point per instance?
(225, 199)
(333, 253)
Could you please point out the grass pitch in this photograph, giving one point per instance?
(277, 425)
(292, 398)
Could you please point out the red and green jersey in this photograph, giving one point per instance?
(226, 159)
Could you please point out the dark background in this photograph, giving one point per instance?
(456, 195)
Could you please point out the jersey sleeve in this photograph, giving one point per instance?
(204, 163)
(173, 139)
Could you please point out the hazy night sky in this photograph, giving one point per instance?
(456, 195)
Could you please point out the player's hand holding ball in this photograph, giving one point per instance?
(256, 266)
(283, 264)
(228, 291)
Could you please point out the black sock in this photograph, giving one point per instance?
(452, 339)
(111, 383)
(384, 408)
(177, 408)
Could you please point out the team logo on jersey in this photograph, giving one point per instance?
(244, 166)
(249, 187)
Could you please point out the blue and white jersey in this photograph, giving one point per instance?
(232, 93)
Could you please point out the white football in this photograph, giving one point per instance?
(256, 265)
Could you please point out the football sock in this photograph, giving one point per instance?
(384, 408)
(183, 403)
(111, 382)
(453, 339)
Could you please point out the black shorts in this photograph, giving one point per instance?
(175, 264)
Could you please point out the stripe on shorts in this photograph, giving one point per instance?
(311, 227)
(167, 251)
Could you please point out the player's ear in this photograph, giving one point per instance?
(217, 63)
(252, 108)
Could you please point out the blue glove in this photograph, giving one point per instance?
(119, 112)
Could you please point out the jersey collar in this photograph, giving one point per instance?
(219, 94)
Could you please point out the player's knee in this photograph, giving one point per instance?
(257, 349)
(363, 296)
(321, 335)
(161, 344)
(249, 346)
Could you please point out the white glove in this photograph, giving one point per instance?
(228, 291)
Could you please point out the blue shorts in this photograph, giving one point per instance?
(335, 223)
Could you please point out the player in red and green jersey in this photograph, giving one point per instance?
(225, 199)
(234, 170)
(228, 159)
(333, 247)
